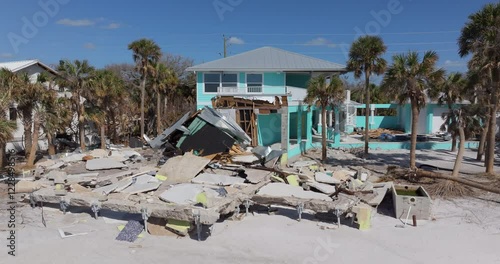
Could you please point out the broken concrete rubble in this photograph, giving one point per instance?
(104, 164)
(220, 180)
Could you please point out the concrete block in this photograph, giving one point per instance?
(406, 196)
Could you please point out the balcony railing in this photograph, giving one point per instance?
(240, 90)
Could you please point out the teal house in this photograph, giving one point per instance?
(263, 91)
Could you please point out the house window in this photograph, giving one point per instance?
(212, 82)
(254, 83)
(12, 114)
(229, 80)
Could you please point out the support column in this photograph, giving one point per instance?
(330, 118)
(320, 126)
(336, 132)
(285, 135)
(372, 123)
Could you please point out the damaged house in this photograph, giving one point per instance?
(262, 91)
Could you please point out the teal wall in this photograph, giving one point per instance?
(294, 128)
(242, 79)
(202, 99)
(389, 122)
(269, 129)
(297, 79)
(274, 83)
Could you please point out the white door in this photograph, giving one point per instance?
(437, 119)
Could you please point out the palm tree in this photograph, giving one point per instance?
(107, 94)
(365, 57)
(45, 96)
(450, 92)
(57, 111)
(25, 95)
(323, 94)
(7, 83)
(76, 76)
(164, 80)
(409, 78)
(146, 54)
(478, 87)
(466, 121)
(481, 38)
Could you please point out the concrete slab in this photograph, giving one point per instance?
(324, 188)
(219, 180)
(323, 177)
(245, 159)
(181, 169)
(55, 174)
(73, 158)
(141, 188)
(99, 153)
(55, 166)
(257, 176)
(104, 164)
(301, 164)
(285, 190)
(143, 179)
(182, 194)
(343, 175)
(46, 163)
(116, 187)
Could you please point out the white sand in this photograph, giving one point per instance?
(464, 231)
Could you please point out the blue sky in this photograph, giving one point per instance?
(101, 30)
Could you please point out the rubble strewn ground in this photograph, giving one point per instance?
(243, 203)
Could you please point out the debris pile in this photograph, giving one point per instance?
(196, 172)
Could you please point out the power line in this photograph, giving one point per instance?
(347, 34)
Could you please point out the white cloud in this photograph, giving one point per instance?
(236, 41)
(321, 42)
(89, 45)
(112, 26)
(76, 23)
(6, 55)
(450, 63)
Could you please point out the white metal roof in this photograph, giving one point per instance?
(15, 66)
(270, 59)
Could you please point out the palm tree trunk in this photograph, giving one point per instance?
(52, 148)
(453, 142)
(158, 114)
(103, 135)
(143, 98)
(81, 126)
(113, 126)
(490, 151)
(482, 141)
(323, 133)
(34, 144)
(367, 112)
(413, 144)
(3, 155)
(460, 155)
(28, 126)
